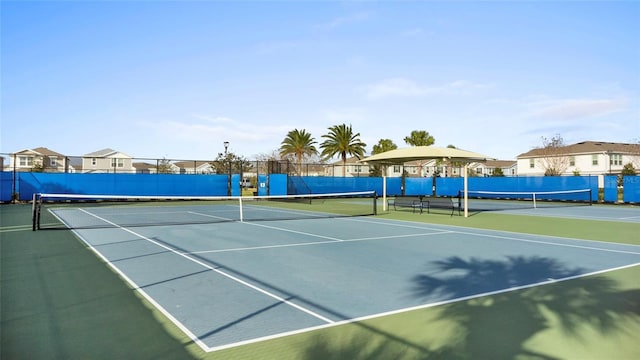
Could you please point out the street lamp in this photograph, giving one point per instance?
(226, 147)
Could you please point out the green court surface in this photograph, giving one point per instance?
(96, 293)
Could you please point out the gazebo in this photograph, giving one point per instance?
(401, 156)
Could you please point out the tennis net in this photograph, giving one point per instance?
(505, 200)
(75, 211)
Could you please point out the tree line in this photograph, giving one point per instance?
(341, 141)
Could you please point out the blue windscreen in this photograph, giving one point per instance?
(631, 189)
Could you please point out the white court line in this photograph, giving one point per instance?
(211, 216)
(629, 217)
(569, 216)
(314, 243)
(460, 232)
(293, 231)
(549, 243)
(333, 239)
(135, 286)
(479, 233)
(205, 265)
(336, 323)
(419, 307)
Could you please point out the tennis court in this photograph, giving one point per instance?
(229, 283)
(558, 209)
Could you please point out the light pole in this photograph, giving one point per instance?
(226, 147)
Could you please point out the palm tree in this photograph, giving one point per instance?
(342, 141)
(298, 143)
(419, 138)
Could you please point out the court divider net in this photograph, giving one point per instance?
(504, 200)
(86, 211)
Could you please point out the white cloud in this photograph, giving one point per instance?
(401, 87)
(214, 119)
(573, 109)
(209, 132)
(343, 21)
(395, 87)
(345, 115)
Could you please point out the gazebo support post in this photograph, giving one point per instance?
(466, 190)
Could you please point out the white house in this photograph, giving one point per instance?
(353, 168)
(583, 158)
(145, 168)
(39, 159)
(107, 161)
(423, 168)
(194, 167)
(487, 168)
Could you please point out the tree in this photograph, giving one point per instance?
(554, 159)
(298, 143)
(342, 141)
(419, 138)
(451, 164)
(37, 166)
(628, 170)
(164, 167)
(383, 145)
(230, 163)
(497, 172)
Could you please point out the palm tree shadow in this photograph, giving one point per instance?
(498, 326)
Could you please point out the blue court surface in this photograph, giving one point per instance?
(231, 283)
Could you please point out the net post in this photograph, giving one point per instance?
(534, 200)
(590, 197)
(35, 209)
(241, 211)
(33, 212)
(375, 203)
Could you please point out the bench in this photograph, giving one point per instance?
(439, 203)
(414, 202)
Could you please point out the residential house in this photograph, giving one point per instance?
(38, 159)
(145, 168)
(418, 168)
(583, 158)
(353, 168)
(487, 168)
(432, 167)
(194, 167)
(107, 161)
(310, 169)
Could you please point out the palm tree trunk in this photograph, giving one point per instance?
(344, 165)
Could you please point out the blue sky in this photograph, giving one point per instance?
(177, 79)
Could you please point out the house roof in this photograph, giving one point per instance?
(350, 160)
(40, 151)
(47, 152)
(143, 165)
(101, 153)
(501, 163)
(75, 161)
(588, 147)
